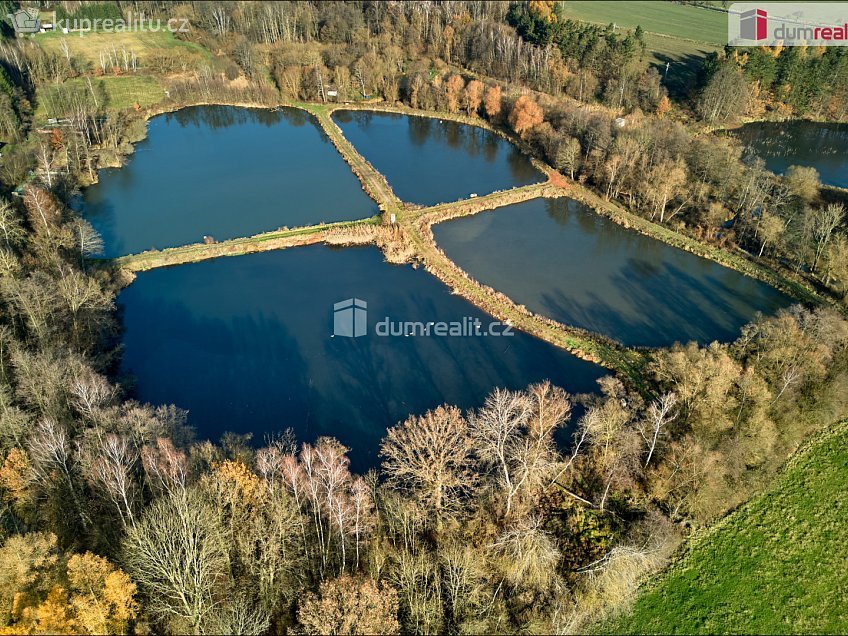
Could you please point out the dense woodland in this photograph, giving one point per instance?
(116, 517)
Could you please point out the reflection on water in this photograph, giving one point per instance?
(224, 172)
(245, 344)
(802, 143)
(560, 259)
(429, 161)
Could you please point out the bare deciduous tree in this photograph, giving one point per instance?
(90, 392)
(11, 228)
(112, 469)
(824, 221)
(528, 554)
(430, 456)
(496, 429)
(50, 453)
(513, 435)
(658, 417)
(165, 466)
(178, 556)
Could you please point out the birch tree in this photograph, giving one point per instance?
(657, 419)
(824, 221)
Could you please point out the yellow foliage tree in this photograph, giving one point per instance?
(543, 9)
(14, 479)
(102, 596)
(42, 593)
(236, 485)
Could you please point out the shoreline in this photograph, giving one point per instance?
(798, 290)
(411, 238)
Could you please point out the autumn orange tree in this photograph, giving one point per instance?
(492, 101)
(473, 96)
(453, 90)
(525, 115)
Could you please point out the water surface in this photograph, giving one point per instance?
(245, 344)
(801, 143)
(429, 161)
(560, 259)
(224, 172)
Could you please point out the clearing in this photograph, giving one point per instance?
(122, 91)
(89, 45)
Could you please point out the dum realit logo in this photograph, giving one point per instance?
(788, 24)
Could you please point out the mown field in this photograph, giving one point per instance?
(680, 21)
(777, 565)
(680, 35)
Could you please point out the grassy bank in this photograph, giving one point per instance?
(589, 346)
(735, 260)
(776, 565)
(373, 182)
(685, 22)
(276, 240)
(123, 92)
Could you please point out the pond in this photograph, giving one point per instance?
(560, 259)
(246, 344)
(224, 172)
(429, 161)
(801, 143)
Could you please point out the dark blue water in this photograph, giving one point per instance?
(429, 161)
(560, 259)
(801, 143)
(224, 172)
(246, 345)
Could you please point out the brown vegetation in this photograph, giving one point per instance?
(115, 519)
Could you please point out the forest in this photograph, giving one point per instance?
(116, 517)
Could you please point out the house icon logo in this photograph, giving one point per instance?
(753, 25)
(25, 21)
(350, 318)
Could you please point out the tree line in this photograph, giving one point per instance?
(538, 510)
(116, 517)
(788, 81)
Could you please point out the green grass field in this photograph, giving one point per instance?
(680, 21)
(89, 45)
(777, 565)
(684, 58)
(677, 34)
(123, 91)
